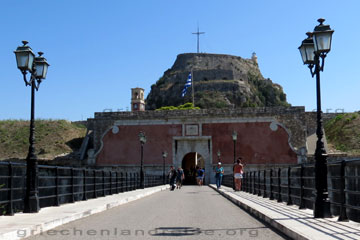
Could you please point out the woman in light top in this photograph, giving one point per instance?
(238, 174)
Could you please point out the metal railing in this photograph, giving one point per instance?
(296, 185)
(227, 180)
(58, 185)
(153, 180)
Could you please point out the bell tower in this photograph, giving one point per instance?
(254, 58)
(137, 99)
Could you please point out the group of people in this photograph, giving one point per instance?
(238, 170)
(177, 176)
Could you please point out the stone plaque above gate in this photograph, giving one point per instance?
(191, 130)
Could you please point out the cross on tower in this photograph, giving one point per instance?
(198, 38)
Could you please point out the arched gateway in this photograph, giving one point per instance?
(189, 164)
(199, 145)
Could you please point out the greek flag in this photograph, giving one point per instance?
(187, 84)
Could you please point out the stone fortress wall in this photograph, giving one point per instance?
(216, 66)
(207, 67)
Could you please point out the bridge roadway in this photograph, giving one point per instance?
(192, 212)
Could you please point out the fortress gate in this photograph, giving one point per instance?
(266, 136)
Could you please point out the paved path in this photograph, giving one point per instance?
(22, 225)
(295, 223)
(190, 213)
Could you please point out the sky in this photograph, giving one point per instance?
(99, 49)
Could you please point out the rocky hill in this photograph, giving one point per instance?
(219, 81)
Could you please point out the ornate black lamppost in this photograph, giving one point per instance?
(142, 139)
(234, 137)
(314, 47)
(37, 66)
(164, 155)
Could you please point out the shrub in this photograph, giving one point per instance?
(186, 106)
(339, 117)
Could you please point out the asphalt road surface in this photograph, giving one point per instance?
(189, 213)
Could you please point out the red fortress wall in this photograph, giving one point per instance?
(124, 147)
(257, 143)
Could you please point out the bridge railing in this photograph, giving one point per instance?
(296, 185)
(153, 180)
(59, 185)
(227, 180)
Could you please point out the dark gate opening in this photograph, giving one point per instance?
(189, 163)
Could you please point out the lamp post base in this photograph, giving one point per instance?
(142, 180)
(322, 209)
(32, 204)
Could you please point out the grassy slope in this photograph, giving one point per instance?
(343, 132)
(53, 137)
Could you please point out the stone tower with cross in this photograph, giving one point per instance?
(137, 99)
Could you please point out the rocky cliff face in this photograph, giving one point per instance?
(219, 81)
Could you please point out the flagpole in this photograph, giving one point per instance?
(192, 88)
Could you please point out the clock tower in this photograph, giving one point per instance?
(137, 99)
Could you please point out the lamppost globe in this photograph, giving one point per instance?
(322, 37)
(234, 136)
(142, 137)
(41, 66)
(164, 154)
(24, 57)
(307, 49)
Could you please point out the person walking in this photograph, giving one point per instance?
(200, 175)
(172, 177)
(219, 172)
(238, 174)
(179, 177)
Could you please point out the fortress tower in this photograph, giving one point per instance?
(137, 99)
(254, 58)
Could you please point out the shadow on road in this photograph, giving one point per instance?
(189, 231)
